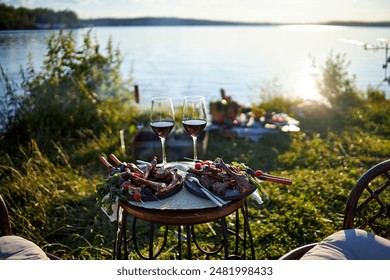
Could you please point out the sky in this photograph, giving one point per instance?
(282, 11)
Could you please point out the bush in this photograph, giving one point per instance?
(77, 96)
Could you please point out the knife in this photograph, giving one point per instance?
(219, 202)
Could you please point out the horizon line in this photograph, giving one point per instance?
(235, 22)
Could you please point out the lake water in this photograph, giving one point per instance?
(179, 61)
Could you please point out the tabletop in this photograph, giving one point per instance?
(181, 216)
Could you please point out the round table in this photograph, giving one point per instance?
(170, 216)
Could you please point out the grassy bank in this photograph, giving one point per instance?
(71, 113)
(55, 205)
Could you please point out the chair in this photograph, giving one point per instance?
(367, 208)
(14, 247)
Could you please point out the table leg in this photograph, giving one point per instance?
(124, 218)
(244, 210)
(116, 235)
(225, 237)
(207, 253)
(237, 232)
(151, 252)
(189, 254)
(120, 234)
(151, 240)
(179, 240)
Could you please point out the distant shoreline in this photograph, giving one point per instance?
(171, 21)
(22, 18)
(177, 22)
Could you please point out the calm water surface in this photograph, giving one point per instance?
(178, 61)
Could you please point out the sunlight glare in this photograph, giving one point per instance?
(307, 87)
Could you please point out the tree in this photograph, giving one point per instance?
(23, 18)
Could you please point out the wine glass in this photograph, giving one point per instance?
(194, 117)
(162, 120)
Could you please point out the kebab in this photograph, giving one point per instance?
(134, 180)
(218, 176)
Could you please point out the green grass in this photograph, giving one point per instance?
(55, 204)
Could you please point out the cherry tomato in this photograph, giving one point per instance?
(207, 162)
(258, 173)
(137, 196)
(198, 165)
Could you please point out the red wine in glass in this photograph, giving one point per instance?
(194, 127)
(162, 120)
(163, 128)
(194, 118)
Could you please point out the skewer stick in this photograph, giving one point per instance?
(115, 159)
(106, 163)
(275, 179)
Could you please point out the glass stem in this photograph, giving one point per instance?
(164, 155)
(195, 150)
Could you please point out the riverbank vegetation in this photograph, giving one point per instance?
(71, 112)
(21, 18)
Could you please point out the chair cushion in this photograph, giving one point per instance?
(14, 247)
(350, 244)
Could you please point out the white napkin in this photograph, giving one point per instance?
(256, 196)
(114, 216)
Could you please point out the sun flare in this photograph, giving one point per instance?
(307, 85)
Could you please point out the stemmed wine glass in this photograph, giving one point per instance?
(194, 117)
(162, 120)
